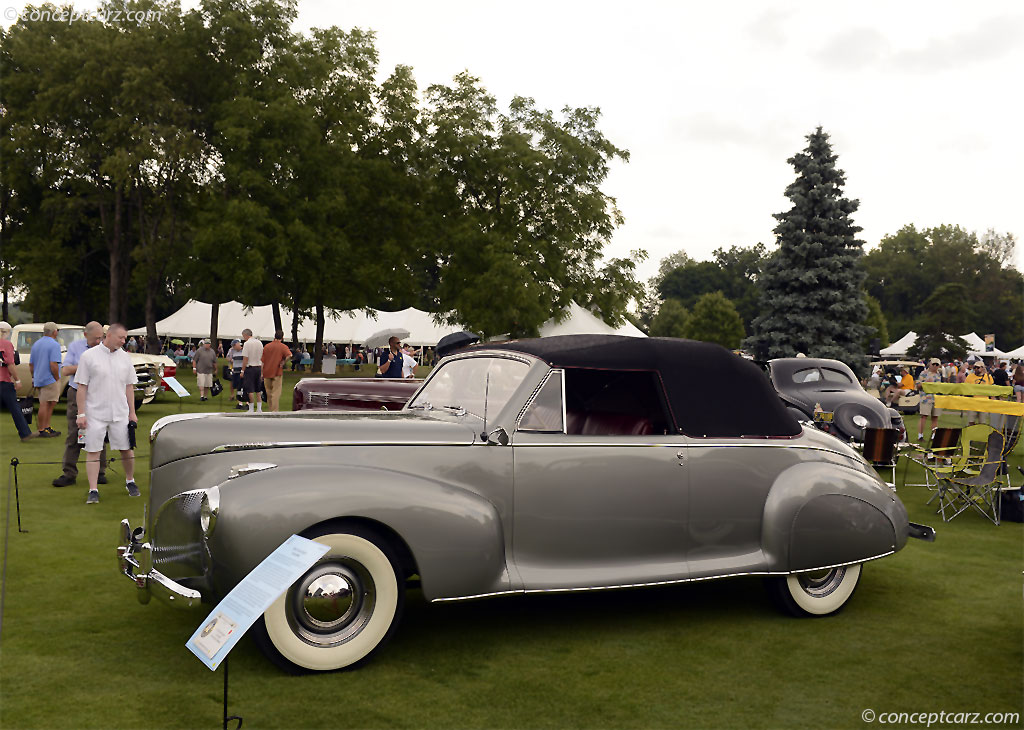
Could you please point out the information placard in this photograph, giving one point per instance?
(247, 601)
(177, 387)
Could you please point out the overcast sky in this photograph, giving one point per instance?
(922, 100)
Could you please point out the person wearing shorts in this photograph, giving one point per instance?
(927, 406)
(106, 406)
(252, 369)
(204, 364)
(44, 364)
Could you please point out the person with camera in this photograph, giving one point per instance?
(106, 407)
(9, 383)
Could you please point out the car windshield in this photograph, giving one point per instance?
(462, 385)
(65, 336)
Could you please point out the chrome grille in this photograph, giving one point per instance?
(178, 548)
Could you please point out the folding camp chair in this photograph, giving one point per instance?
(880, 450)
(976, 487)
(963, 458)
(941, 448)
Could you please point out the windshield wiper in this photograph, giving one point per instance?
(424, 405)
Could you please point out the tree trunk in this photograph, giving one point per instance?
(5, 316)
(295, 319)
(318, 346)
(214, 317)
(275, 307)
(114, 313)
(152, 342)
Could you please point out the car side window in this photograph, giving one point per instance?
(807, 375)
(26, 340)
(615, 403)
(545, 410)
(835, 376)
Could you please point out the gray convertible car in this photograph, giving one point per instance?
(559, 464)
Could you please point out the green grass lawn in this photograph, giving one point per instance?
(937, 627)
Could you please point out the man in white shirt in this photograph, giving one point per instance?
(106, 406)
(252, 369)
(408, 365)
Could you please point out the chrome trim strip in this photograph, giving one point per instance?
(806, 447)
(677, 581)
(303, 444)
(354, 396)
(166, 420)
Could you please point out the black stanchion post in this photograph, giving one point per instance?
(228, 717)
(17, 497)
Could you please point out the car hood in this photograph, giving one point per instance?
(178, 437)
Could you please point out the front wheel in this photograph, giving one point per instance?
(817, 593)
(341, 610)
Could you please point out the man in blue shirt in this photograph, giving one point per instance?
(44, 364)
(72, 449)
(391, 361)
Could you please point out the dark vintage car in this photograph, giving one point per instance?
(353, 394)
(572, 463)
(807, 383)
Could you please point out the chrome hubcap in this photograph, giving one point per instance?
(328, 600)
(332, 602)
(819, 585)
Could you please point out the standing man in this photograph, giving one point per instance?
(44, 364)
(391, 361)
(72, 449)
(274, 356)
(978, 376)
(106, 406)
(252, 369)
(204, 365)
(235, 357)
(927, 406)
(9, 383)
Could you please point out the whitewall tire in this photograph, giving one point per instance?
(816, 593)
(342, 609)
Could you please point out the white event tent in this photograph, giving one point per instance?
(583, 322)
(193, 321)
(975, 346)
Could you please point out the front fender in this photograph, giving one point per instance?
(818, 515)
(455, 536)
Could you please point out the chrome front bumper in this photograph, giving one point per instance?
(135, 558)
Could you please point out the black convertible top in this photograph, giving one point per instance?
(711, 391)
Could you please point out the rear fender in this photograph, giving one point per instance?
(455, 536)
(817, 515)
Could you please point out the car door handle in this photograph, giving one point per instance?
(681, 455)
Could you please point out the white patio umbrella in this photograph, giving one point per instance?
(380, 337)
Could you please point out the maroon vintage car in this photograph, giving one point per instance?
(353, 394)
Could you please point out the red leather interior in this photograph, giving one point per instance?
(600, 423)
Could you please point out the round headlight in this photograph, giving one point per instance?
(209, 507)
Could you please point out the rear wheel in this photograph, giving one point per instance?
(341, 610)
(817, 593)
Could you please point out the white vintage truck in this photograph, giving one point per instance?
(148, 368)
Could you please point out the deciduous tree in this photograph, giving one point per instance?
(715, 319)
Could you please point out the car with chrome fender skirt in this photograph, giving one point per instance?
(568, 463)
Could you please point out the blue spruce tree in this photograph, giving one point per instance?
(812, 297)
